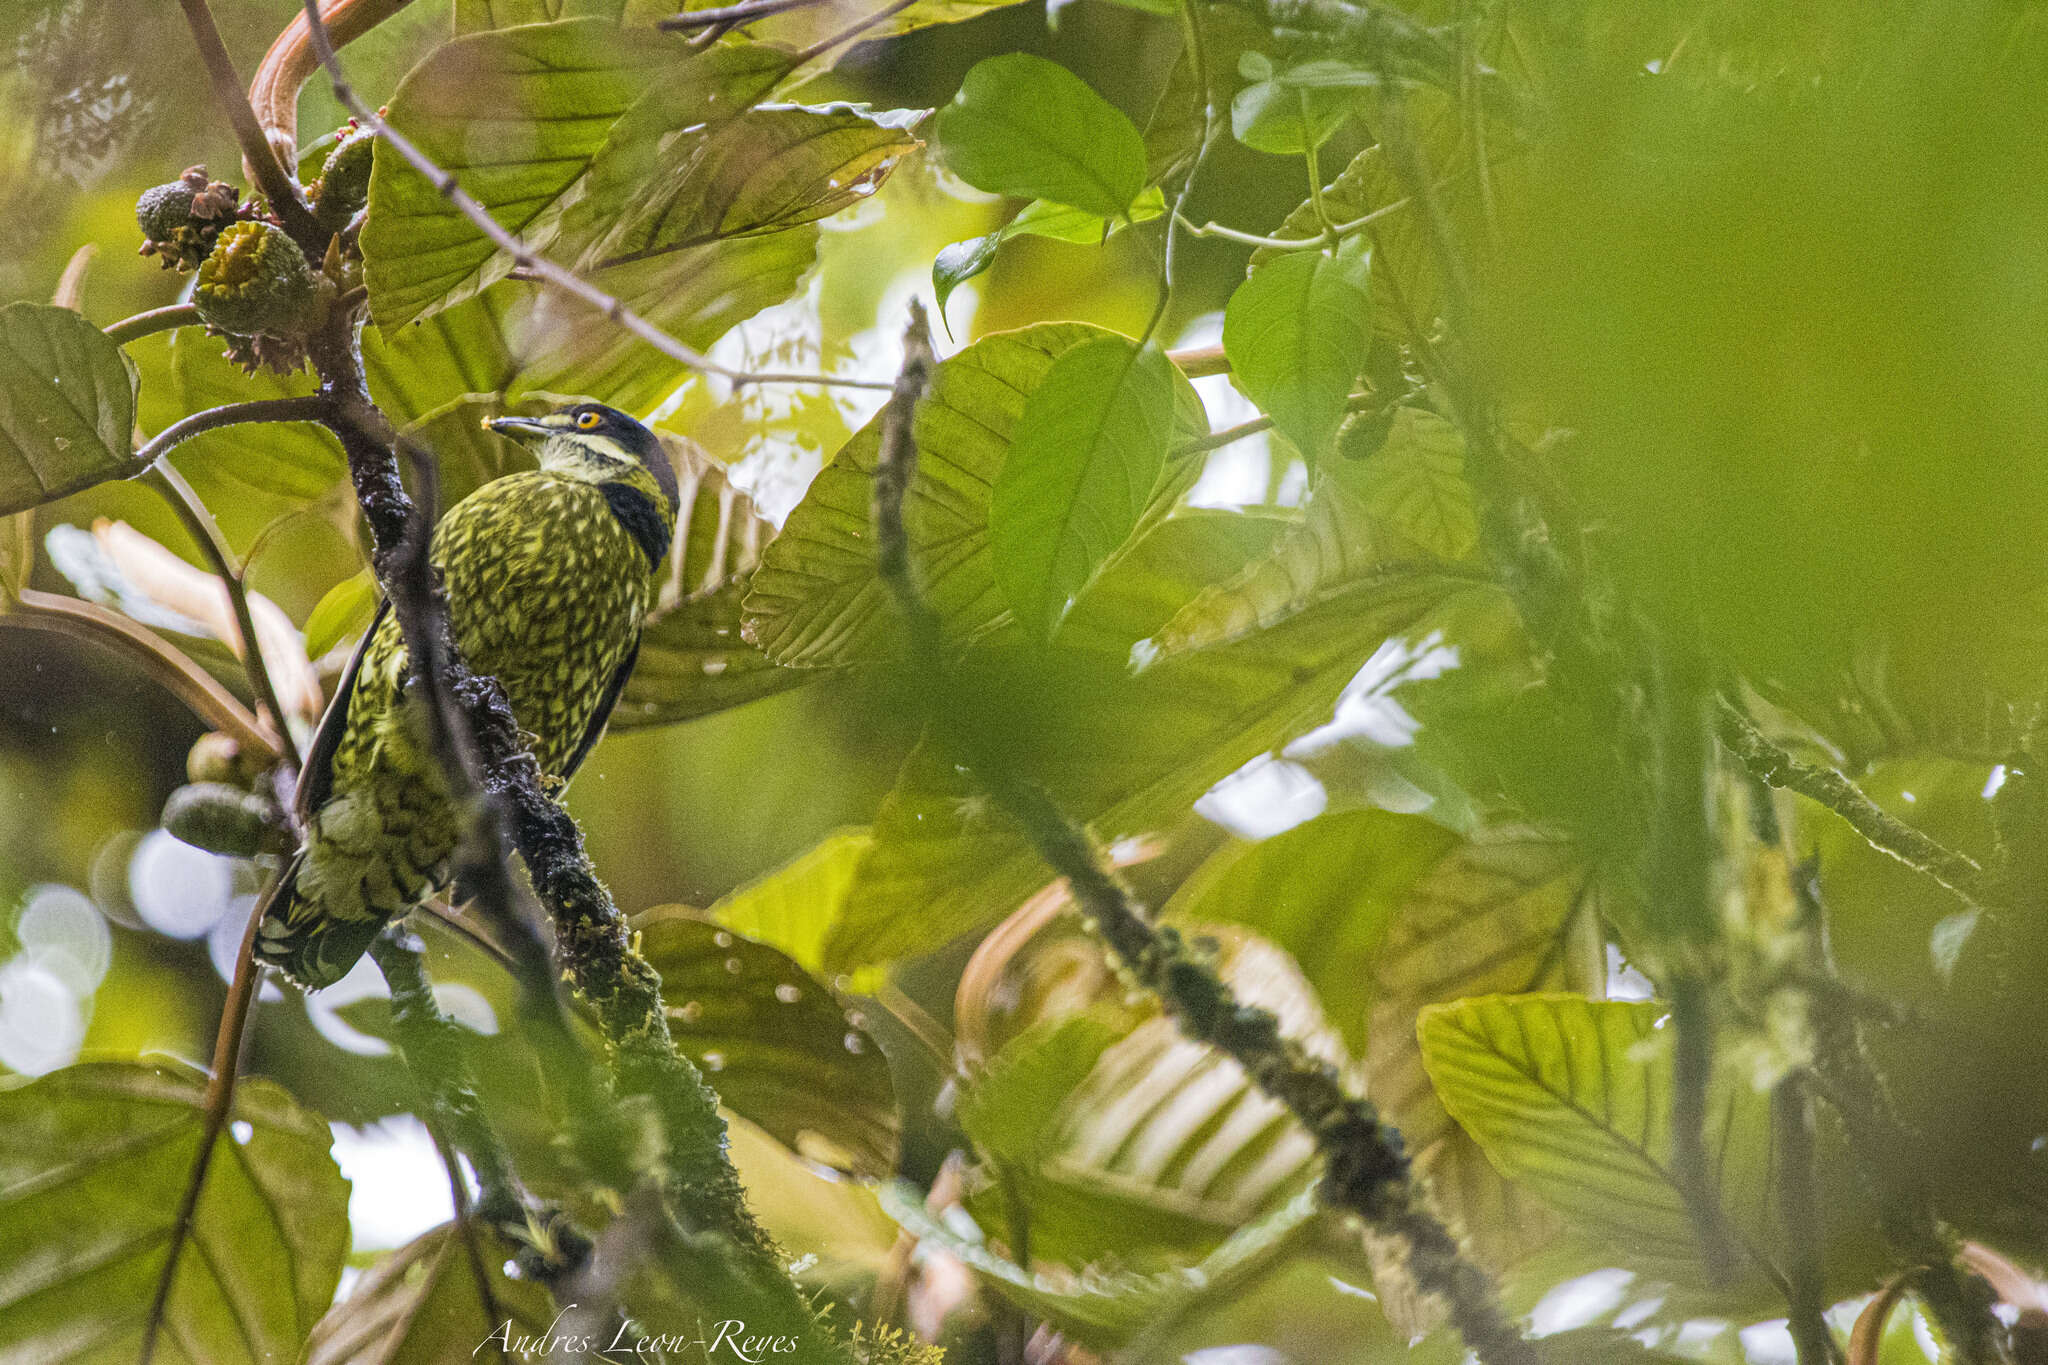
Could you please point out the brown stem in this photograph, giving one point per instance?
(308, 409)
(271, 176)
(162, 660)
(155, 320)
(219, 1100)
(166, 480)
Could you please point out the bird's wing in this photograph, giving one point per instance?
(316, 777)
(603, 714)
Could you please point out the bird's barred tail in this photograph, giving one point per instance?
(311, 946)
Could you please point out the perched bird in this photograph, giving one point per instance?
(548, 577)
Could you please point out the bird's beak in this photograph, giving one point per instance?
(521, 428)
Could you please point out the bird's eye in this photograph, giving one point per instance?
(587, 421)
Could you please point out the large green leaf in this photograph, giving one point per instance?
(774, 1042)
(1024, 126)
(694, 663)
(1104, 1309)
(1325, 891)
(792, 908)
(67, 406)
(816, 600)
(1128, 755)
(1167, 1132)
(1090, 447)
(423, 1305)
(696, 295)
(779, 167)
(515, 114)
(475, 16)
(1297, 333)
(1572, 1098)
(962, 261)
(93, 1160)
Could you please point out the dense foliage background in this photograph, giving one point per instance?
(1615, 403)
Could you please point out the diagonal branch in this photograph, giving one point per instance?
(271, 176)
(1956, 871)
(1366, 1172)
(536, 266)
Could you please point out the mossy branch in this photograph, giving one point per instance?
(1366, 1169)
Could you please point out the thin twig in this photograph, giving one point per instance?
(165, 662)
(272, 177)
(1337, 231)
(1956, 871)
(217, 1104)
(308, 409)
(540, 268)
(729, 16)
(1366, 1171)
(166, 480)
(850, 32)
(155, 320)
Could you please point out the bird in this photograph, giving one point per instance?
(548, 576)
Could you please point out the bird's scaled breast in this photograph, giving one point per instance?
(546, 591)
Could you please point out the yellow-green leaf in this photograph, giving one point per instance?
(67, 406)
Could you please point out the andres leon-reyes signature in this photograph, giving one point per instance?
(727, 1340)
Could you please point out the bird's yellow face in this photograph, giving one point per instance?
(586, 441)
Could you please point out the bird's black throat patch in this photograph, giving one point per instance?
(641, 518)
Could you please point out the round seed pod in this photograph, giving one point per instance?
(181, 220)
(257, 281)
(220, 819)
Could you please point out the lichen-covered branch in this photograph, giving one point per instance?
(1956, 871)
(1366, 1170)
(431, 1045)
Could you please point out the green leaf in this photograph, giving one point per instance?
(774, 1042)
(1105, 1309)
(476, 16)
(1127, 755)
(292, 462)
(778, 167)
(694, 663)
(343, 612)
(1166, 1131)
(421, 1305)
(816, 601)
(1572, 1098)
(1024, 126)
(1296, 333)
(792, 908)
(1090, 448)
(1325, 891)
(515, 114)
(1414, 487)
(67, 406)
(1010, 1110)
(1286, 119)
(962, 261)
(93, 1162)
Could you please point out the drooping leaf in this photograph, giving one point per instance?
(1125, 754)
(1297, 332)
(1414, 487)
(962, 261)
(1105, 1309)
(1024, 126)
(774, 1042)
(695, 295)
(779, 167)
(422, 1305)
(1572, 1098)
(792, 908)
(1277, 113)
(1168, 1133)
(515, 114)
(67, 406)
(93, 1160)
(1325, 891)
(694, 663)
(1090, 446)
(342, 612)
(816, 600)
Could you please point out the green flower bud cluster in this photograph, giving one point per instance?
(181, 221)
(343, 188)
